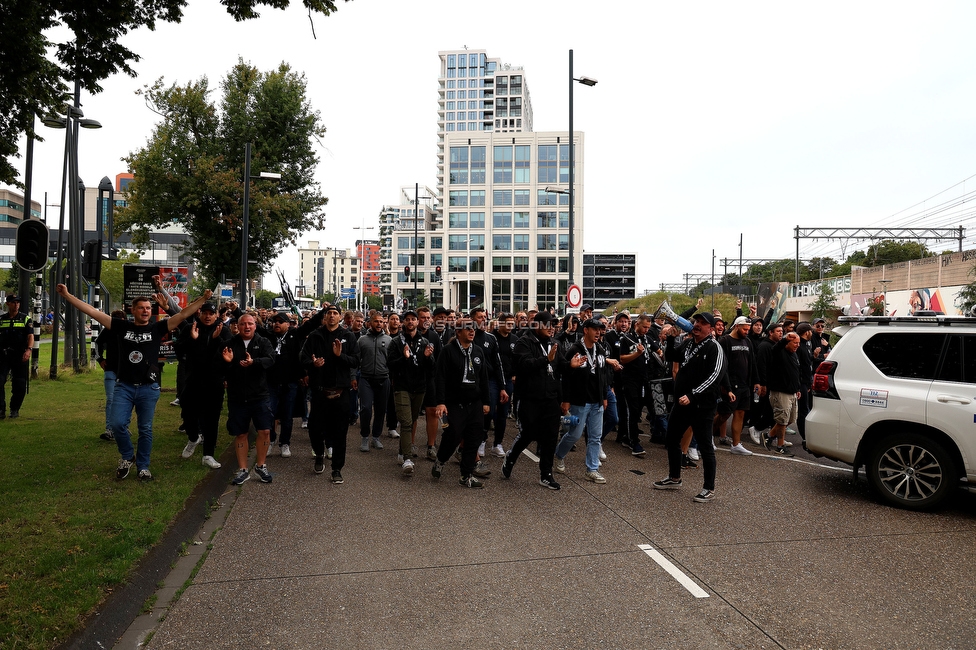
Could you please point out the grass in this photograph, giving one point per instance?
(70, 533)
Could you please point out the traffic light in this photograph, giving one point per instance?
(437, 271)
(30, 250)
(91, 261)
(406, 271)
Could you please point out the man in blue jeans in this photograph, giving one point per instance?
(584, 395)
(138, 374)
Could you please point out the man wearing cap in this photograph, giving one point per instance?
(16, 341)
(331, 357)
(203, 399)
(743, 381)
(701, 366)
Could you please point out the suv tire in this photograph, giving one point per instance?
(911, 471)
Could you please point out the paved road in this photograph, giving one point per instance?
(790, 555)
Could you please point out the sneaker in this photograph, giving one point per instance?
(263, 473)
(364, 445)
(432, 453)
(767, 441)
(304, 424)
(14, 414)
(667, 484)
(704, 496)
(328, 453)
(286, 451)
(603, 456)
(739, 450)
(407, 467)
(435, 471)
(336, 477)
(319, 466)
(637, 450)
(377, 444)
(481, 469)
(755, 436)
(596, 477)
(559, 464)
(175, 402)
(725, 441)
(145, 475)
(783, 451)
(498, 451)
(414, 452)
(787, 443)
(693, 453)
(550, 482)
(471, 482)
(191, 446)
(393, 433)
(687, 462)
(108, 435)
(507, 468)
(211, 462)
(123, 469)
(240, 477)
(481, 450)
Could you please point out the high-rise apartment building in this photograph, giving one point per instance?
(323, 270)
(368, 252)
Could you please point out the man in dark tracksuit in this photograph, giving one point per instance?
(696, 389)
(536, 364)
(331, 356)
(203, 396)
(287, 374)
(461, 382)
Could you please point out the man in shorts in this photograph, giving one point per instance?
(783, 378)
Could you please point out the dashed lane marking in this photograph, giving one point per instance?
(675, 572)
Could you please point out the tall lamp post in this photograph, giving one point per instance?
(242, 293)
(586, 81)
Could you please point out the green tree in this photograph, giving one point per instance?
(887, 251)
(191, 171)
(264, 299)
(966, 299)
(823, 306)
(33, 84)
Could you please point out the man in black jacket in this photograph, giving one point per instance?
(203, 397)
(331, 356)
(287, 374)
(411, 361)
(461, 382)
(783, 377)
(696, 389)
(537, 366)
(247, 359)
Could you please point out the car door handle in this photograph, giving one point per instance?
(946, 399)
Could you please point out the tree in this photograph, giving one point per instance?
(823, 306)
(32, 84)
(887, 251)
(263, 299)
(192, 169)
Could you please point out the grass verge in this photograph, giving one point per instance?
(70, 533)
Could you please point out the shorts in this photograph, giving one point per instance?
(240, 416)
(743, 400)
(784, 407)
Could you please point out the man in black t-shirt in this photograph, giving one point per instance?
(138, 373)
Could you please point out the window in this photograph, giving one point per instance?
(457, 220)
(552, 198)
(476, 220)
(478, 161)
(477, 242)
(477, 196)
(501, 219)
(477, 264)
(564, 266)
(501, 107)
(501, 242)
(521, 265)
(457, 264)
(545, 265)
(501, 85)
(404, 242)
(458, 197)
(437, 242)
(501, 295)
(564, 242)
(545, 220)
(516, 85)
(545, 293)
(501, 264)
(547, 165)
(520, 294)
(436, 259)
(564, 163)
(564, 220)
(521, 219)
(501, 197)
(522, 163)
(503, 164)
(457, 242)
(908, 355)
(459, 164)
(515, 109)
(523, 197)
(521, 242)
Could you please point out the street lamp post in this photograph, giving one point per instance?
(586, 81)
(242, 293)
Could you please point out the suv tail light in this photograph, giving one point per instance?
(823, 380)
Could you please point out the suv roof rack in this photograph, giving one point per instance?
(907, 320)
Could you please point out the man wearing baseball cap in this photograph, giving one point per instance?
(16, 341)
(743, 378)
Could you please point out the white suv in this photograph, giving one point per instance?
(897, 395)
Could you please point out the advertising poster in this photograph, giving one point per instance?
(771, 296)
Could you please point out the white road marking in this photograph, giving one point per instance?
(675, 572)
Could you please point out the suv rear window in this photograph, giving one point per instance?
(911, 355)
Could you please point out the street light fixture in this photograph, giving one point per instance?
(586, 81)
(242, 293)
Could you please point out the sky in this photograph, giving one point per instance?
(710, 121)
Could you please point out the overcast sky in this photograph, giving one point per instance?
(710, 119)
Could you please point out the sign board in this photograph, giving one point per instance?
(347, 294)
(574, 296)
